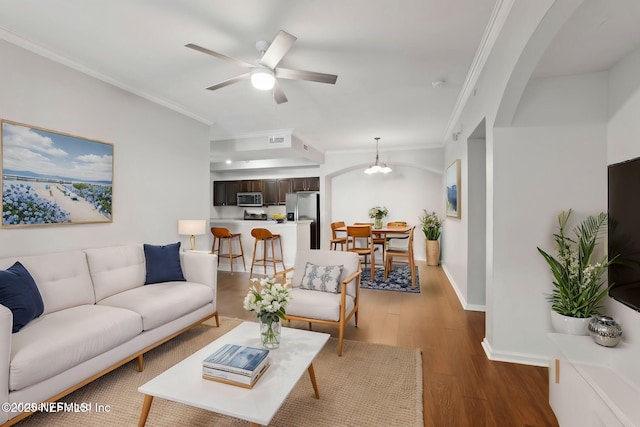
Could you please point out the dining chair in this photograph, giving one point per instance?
(402, 252)
(337, 239)
(391, 236)
(379, 239)
(360, 241)
(332, 302)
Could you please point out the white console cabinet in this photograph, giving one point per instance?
(591, 385)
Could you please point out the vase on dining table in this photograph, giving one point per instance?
(377, 223)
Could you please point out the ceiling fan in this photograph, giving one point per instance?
(264, 73)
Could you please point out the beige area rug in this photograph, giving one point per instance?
(370, 385)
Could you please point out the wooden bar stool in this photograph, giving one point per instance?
(221, 234)
(265, 236)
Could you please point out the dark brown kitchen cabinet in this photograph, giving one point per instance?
(284, 187)
(305, 184)
(270, 192)
(225, 193)
(251, 186)
(275, 191)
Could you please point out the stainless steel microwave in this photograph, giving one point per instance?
(250, 199)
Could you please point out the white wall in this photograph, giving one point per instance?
(477, 229)
(454, 230)
(415, 184)
(538, 171)
(548, 152)
(545, 151)
(161, 166)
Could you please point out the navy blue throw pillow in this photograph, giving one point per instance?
(163, 263)
(19, 293)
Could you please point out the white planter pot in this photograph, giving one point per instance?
(569, 325)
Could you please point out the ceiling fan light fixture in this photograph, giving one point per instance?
(262, 78)
(377, 167)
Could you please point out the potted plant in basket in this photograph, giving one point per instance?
(431, 225)
(377, 214)
(578, 286)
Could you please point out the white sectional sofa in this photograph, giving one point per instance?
(98, 315)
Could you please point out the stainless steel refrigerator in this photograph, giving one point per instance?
(305, 205)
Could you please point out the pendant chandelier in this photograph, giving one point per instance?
(377, 167)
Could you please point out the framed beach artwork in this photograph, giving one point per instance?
(453, 189)
(54, 178)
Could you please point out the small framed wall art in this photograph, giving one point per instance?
(54, 178)
(453, 189)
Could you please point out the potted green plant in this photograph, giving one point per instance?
(431, 225)
(578, 285)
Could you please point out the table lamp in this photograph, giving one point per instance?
(192, 227)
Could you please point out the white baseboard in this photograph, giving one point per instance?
(511, 357)
(463, 302)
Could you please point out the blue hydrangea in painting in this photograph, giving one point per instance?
(22, 205)
(98, 195)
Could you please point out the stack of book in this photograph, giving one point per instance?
(236, 364)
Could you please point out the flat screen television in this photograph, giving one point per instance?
(624, 231)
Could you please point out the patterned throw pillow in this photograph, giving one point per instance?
(325, 278)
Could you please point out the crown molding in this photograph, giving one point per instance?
(68, 62)
(494, 27)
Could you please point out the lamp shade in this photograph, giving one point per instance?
(192, 227)
(377, 167)
(262, 78)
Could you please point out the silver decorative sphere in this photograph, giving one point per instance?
(605, 331)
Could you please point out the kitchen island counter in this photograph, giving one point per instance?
(295, 236)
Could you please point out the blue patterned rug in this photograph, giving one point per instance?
(399, 280)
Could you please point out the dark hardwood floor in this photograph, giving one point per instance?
(461, 386)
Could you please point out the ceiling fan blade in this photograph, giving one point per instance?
(218, 55)
(278, 94)
(230, 81)
(278, 49)
(287, 73)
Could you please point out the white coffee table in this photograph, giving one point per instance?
(183, 382)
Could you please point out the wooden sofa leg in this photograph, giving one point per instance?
(140, 363)
(217, 319)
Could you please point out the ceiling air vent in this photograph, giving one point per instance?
(277, 140)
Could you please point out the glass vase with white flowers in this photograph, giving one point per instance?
(269, 303)
(377, 214)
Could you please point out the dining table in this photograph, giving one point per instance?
(382, 231)
(379, 233)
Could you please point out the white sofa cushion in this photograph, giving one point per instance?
(116, 269)
(62, 278)
(317, 305)
(58, 341)
(160, 303)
